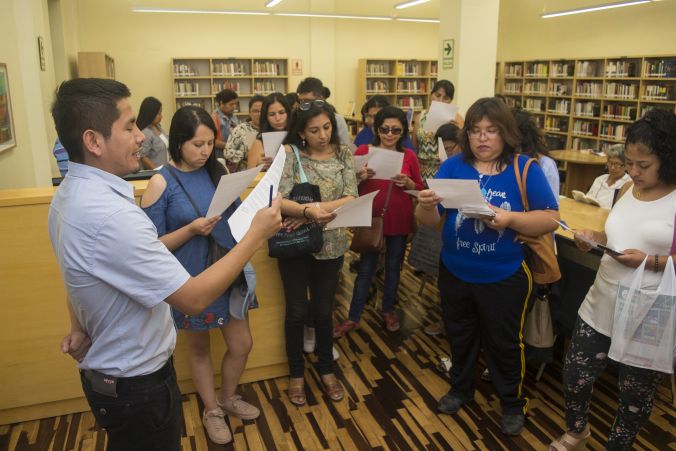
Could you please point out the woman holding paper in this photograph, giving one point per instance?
(243, 136)
(185, 184)
(605, 186)
(484, 282)
(641, 226)
(275, 114)
(391, 130)
(330, 166)
(423, 139)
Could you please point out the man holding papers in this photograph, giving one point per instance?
(391, 129)
(119, 277)
(484, 282)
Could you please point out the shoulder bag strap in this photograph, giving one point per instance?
(192, 202)
(521, 180)
(387, 199)
(303, 178)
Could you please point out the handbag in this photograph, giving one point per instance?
(307, 238)
(242, 295)
(371, 239)
(539, 329)
(540, 254)
(644, 322)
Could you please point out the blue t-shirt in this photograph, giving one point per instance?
(476, 253)
(365, 136)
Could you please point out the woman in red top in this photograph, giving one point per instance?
(391, 129)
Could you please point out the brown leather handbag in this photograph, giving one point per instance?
(371, 239)
(540, 253)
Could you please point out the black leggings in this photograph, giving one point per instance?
(587, 356)
(321, 277)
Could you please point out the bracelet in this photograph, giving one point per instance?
(656, 268)
(305, 215)
(317, 205)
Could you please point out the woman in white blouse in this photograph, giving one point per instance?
(604, 187)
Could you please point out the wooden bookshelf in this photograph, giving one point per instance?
(96, 65)
(406, 83)
(589, 103)
(196, 81)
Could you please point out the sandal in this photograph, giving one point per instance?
(332, 387)
(297, 391)
(569, 442)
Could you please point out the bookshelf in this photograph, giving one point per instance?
(589, 103)
(406, 83)
(196, 81)
(95, 64)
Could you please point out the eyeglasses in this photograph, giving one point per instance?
(614, 164)
(489, 133)
(307, 104)
(396, 131)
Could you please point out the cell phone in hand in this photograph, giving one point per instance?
(609, 251)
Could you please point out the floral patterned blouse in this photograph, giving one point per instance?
(237, 147)
(336, 178)
(428, 152)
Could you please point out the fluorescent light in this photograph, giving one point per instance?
(404, 19)
(333, 16)
(271, 3)
(411, 3)
(594, 8)
(198, 11)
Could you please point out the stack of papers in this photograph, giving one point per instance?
(464, 195)
(355, 213)
(440, 113)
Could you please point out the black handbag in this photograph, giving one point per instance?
(307, 238)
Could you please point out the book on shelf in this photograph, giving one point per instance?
(184, 70)
(408, 69)
(661, 69)
(267, 68)
(579, 196)
(230, 69)
(377, 69)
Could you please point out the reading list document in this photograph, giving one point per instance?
(272, 141)
(355, 213)
(465, 195)
(361, 160)
(240, 221)
(442, 150)
(385, 163)
(229, 188)
(440, 113)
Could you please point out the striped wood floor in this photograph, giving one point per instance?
(392, 390)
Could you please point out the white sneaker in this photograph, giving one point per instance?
(336, 354)
(214, 423)
(309, 339)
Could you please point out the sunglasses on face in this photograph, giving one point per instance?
(307, 104)
(396, 131)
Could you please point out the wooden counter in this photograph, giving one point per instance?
(37, 380)
(581, 168)
(581, 216)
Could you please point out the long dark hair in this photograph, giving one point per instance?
(390, 112)
(301, 118)
(315, 86)
(533, 141)
(147, 112)
(277, 97)
(446, 85)
(500, 115)
(184, 124)
(657, 131)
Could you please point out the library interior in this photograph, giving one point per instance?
(594, 79)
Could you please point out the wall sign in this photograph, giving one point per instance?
(447, 51)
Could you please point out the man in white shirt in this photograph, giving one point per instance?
(119, 277)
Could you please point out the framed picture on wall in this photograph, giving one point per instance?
(7, 137)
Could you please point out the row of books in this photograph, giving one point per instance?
(588, 89)
(408, 86)
(266, 86)
(590, 109)
(664, 68)
(619, 111)
(586, 128)
(556, 124)
(268, 68)
(409, 68)
(410, 102)
(217, 87)
(193, 102)
(620, 90)
(377, 69)
(513, 70)
(230, 69)
(535, 87)
(614, 131)
(534, 105)
(621, 69)
(187, 88)
(583, 144)
(537, 69)
(658, 92)
(377, 86)
(185, 70)
(559, 89)
(560, 107)
(512, 87)
(562, 70)
(587, 69)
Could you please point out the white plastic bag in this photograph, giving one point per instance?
(644, 323)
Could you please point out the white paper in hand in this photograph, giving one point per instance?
(355, 213)
(240, 221)
(442, 150)
(385, 163)
(272, 141)
(456, 193)
(440, 113)
(229, 188)
(361, 160)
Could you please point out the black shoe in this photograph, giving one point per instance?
(450, 404)
(512, 424)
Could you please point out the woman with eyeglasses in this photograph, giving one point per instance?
(329, 165)
(606, 186)
(423, 140)
(484, 281)
(391, 130)
(368, 114)
(275, 113)
(243, 136)
(641, 226)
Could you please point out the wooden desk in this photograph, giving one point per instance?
(581, 169)
(581, 216)
(37, 380)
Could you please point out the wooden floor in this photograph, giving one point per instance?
(392, 389)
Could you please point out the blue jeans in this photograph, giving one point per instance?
(146, 415)
(395, 247)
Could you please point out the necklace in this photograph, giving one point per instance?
(483, 184)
